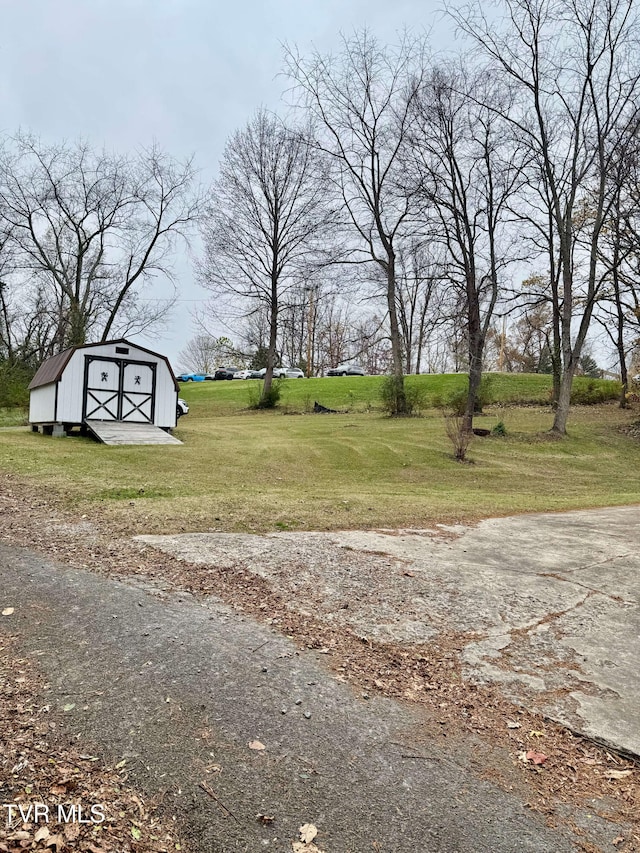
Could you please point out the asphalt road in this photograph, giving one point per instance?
(179, 688)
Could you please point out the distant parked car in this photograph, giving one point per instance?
(191, 377)
(182, 408)
(257, 374)
(347, 370)
(288, 373)
(243, 374)
(225, 373)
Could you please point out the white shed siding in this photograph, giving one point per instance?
(166, 399)
(71, 387)
(42, 404)
(71, 391)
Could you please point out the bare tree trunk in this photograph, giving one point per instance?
(273, 339)
(77, 326)
(564, 402)
(475, 355)
(8, 335)
(396, 344)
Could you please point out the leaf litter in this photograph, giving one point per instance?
(37, 766)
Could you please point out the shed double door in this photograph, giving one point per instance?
(119, 389)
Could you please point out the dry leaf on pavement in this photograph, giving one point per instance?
(308, 832)
(256, 744)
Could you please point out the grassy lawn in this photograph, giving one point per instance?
(361, 393)
(277, 471)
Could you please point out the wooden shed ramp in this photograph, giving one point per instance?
(119, 432)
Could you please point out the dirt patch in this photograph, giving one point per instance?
(575, 772)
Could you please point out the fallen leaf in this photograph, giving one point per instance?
(266, 819)
(56, 841)
(511, 724)
(135, 832)
(308, 832)
(255, 744)
(536, 757)
(8, 611)
(41, 834)
(617, 774)
(536, 734)
(618, 840)
(69, 707)
(71, 831)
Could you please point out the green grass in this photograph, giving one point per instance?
(276, 471)
(362, 393)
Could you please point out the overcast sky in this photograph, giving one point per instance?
(185, 73)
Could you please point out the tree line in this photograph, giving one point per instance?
(405, 206)
(426, 183)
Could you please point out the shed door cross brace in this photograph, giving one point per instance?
(122, 403)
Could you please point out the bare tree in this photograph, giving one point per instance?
(618, 305)
(91, 228)
(333, 333)
(361, 103)
(420, 299)
(574, 69)
(471, 171)
(265, 217)
(204, 352)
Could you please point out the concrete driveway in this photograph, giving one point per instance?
(548, 604)
(179, 688)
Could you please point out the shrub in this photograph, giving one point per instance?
(415, 396)
(485, 395)
(588, 392)
(458, 436)
(256, 399)
(499, 429)
(457, 402)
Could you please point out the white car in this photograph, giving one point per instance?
(347, 370)
(242, 374)
(287, 373)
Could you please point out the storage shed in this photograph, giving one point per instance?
(116, 389)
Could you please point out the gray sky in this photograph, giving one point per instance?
(185, 73)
